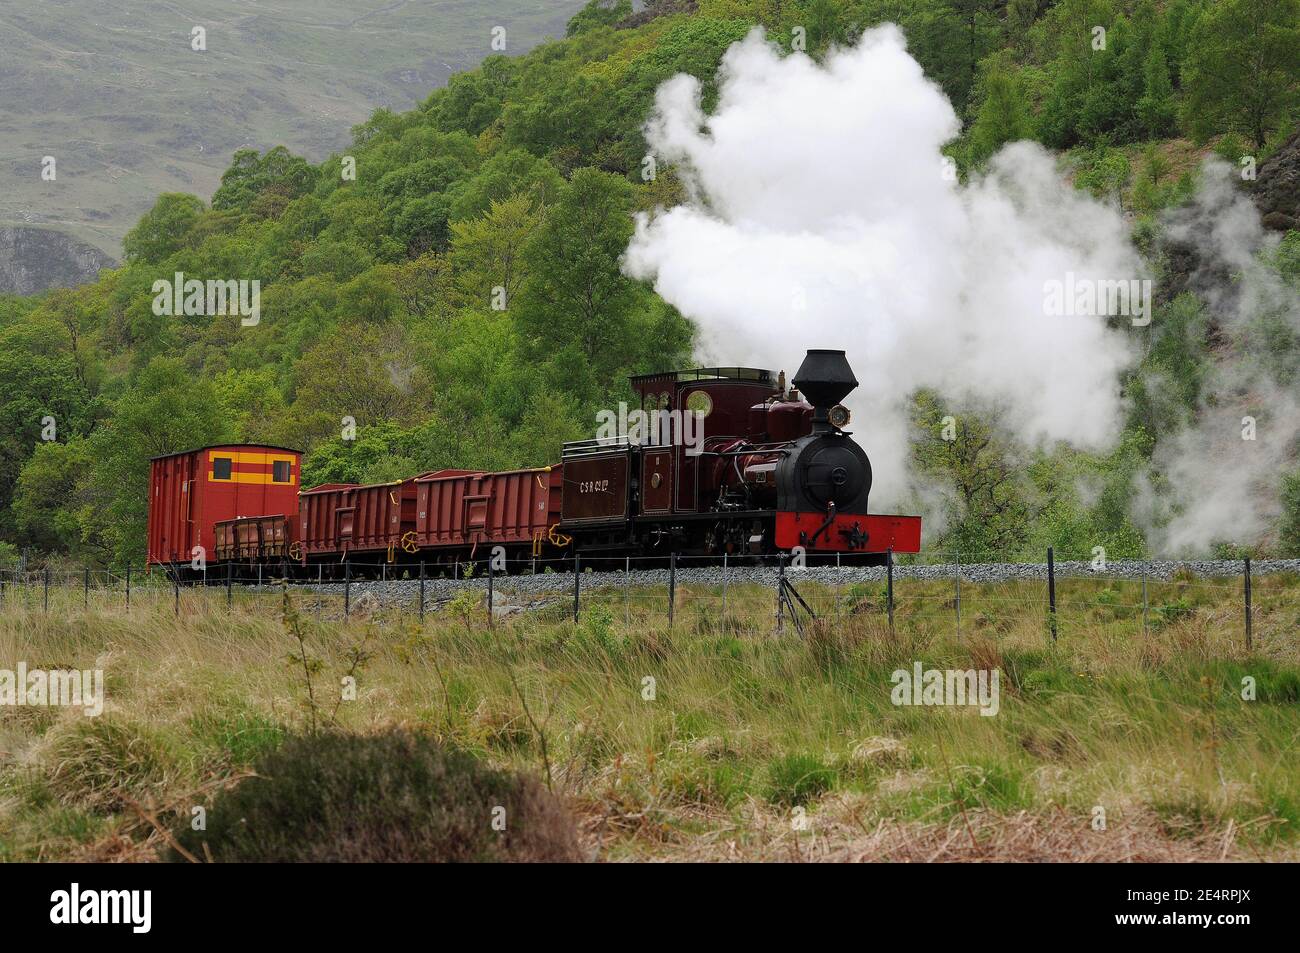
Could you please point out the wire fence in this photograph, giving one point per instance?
(934, 590)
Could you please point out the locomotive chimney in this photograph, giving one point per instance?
(825, 379)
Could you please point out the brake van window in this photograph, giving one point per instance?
(221, 468)
(280, 472)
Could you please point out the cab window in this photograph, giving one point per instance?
(221, 468)
(280, 471)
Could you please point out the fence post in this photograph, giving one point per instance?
(259, 575)
(627, 592)
(1144, 601)
(176, 589)
(491, 588)
(889, 585)
(780, 593)
(230, 585)
(421, 590)
(128, 587)
(724, 589)
(347, 588)
(672, 586)
(577, 582)
(1051, 591)
(85, 590)
(1248, 607)
(958, 558)
(47, 591)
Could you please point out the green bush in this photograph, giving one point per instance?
(390, 797)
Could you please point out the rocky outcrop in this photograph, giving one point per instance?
(1276, 189)
(37, 259)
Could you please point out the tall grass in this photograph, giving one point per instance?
(708, 738)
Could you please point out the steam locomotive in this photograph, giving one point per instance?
(721, 460)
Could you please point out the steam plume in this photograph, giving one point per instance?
(820, 215)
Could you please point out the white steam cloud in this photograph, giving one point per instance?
(1223, 470)
(821, 216)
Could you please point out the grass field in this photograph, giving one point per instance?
(1121, 740)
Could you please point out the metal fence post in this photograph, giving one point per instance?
(889, 585)
(958, 558)
(491, 591)
(724, 589)
(1051, 591)
(1144, 600)
(128, 587)
(421, 590)
(672, 587)
(230, 585)
(627, 592)
(85, 589)
(780, 593)
(577, 582)
(1248, 607)
(176, 589)
(47, 588)
(347, 588)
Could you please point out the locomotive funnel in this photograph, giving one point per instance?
(825, 378)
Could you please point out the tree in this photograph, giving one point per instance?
(167, 410)
(1155, 110)
(41, 390)
(1242, 72)
(579, 297)
(48, 497)
(598, 13)
(986, 503)
(163, 229)
(358, 371)
(1004, 112)
(488, 251)
(250, 176)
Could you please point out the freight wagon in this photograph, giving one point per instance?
(192, 491)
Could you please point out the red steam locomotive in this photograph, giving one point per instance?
(716, 460)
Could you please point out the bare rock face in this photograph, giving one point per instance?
(1276, 189)
(37, 259)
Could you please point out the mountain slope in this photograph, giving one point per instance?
(113, 90)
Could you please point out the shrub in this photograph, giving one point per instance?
(396, 796)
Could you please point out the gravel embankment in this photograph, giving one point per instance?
(528, 590)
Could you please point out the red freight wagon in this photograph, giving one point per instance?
(458, 508)
(190, 492)
(342, 518)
